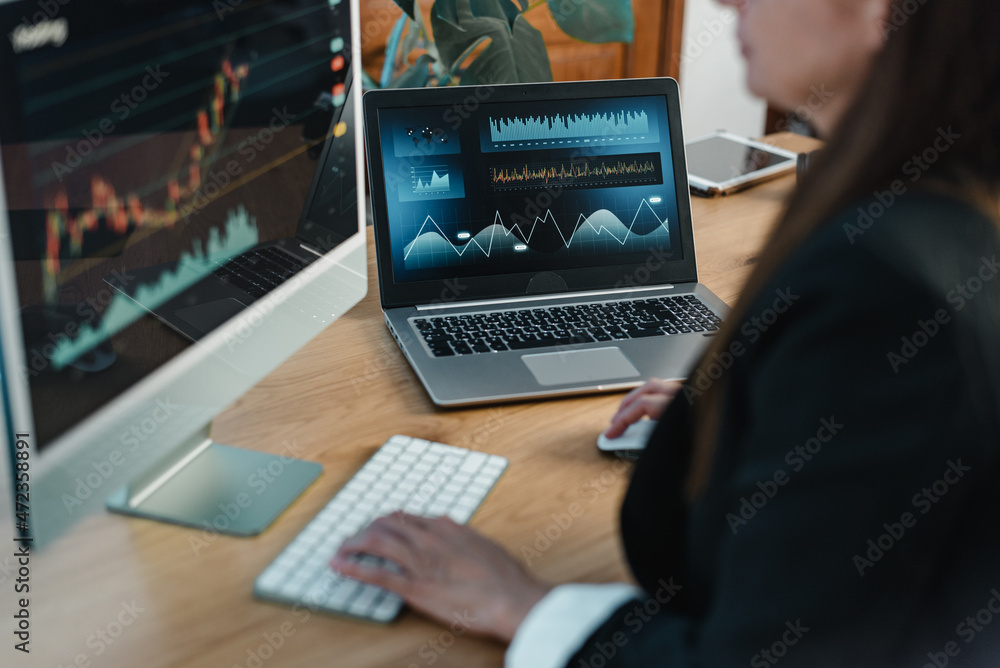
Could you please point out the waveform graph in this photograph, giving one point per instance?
(566, 130)
(595, 233)
(239, 235)
(581, 172)
(432, 246)
(432, 182)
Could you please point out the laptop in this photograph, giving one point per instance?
(327, 219)
(535, 240)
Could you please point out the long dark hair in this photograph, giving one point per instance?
(938, 70)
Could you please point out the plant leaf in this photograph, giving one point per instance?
(411, 40)
(415, 76)
(498, 9)
(406, 6)
(447, 11)
(596, 21)
(465, 54)
(389, 66)
(516, 53)
(525, 49)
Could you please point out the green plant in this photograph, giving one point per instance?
(491, 41)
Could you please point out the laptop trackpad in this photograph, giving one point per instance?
(206, 317)
(580, 366)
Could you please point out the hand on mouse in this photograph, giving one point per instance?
(649, 400)
(447, 571)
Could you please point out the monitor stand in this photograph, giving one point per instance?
(216, 487)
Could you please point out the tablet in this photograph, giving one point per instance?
(722, 163)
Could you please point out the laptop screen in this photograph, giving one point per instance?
(495, 187)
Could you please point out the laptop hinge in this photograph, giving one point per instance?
(538, 298)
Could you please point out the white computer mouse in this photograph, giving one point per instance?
(634, 438)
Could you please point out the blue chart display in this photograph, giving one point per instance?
(568, 127)
(505, 239)
(432, 182)
(613, 171)
(614, 127)
(537, 186)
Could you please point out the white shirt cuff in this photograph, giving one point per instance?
(560, 623)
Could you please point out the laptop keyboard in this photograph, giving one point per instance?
(523, 329)
(259, 271)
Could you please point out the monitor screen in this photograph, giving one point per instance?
(145, 144)
(524, 187)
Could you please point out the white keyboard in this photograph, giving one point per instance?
(416, 476)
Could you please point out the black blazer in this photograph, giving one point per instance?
(852, 516)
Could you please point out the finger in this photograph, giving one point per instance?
(635, 394)
(443, 531)
(651, 407)
(651, 386)
(399, 583)
(425, 534)
(382, 541)
(656, 388)
(402, 518)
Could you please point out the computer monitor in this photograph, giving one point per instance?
(145, 144)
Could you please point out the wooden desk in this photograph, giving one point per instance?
(134, 593)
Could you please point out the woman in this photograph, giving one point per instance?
(832, 499)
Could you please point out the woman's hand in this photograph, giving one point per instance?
(446, 571)
(650, 401)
